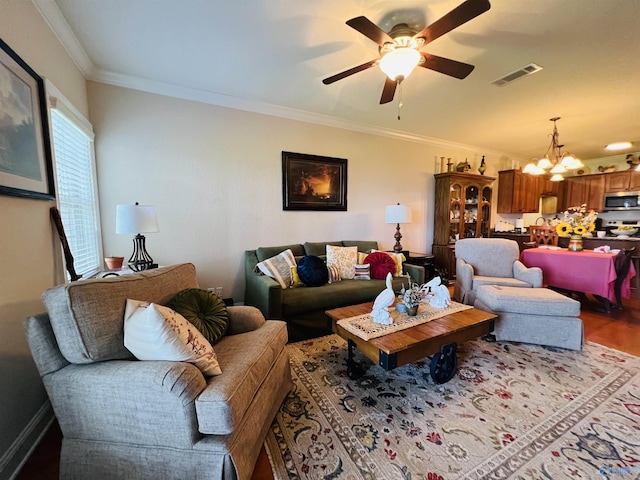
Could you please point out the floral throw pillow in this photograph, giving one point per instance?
(155, 332)
(345, 258)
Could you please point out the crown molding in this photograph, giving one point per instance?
(53, 16)
(60, 27)
(254, 106)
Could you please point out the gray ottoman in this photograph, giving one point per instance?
(532, 315)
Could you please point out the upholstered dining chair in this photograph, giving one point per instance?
(490, 261)
(542, 235)
(622, 265)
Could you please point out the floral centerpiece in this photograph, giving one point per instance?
(576, 221)
(412, 296)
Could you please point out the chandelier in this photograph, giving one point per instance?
(554, 161)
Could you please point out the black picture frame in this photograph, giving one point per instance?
(313, 182)
(26, 167)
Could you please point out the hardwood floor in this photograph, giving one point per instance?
(619, 330)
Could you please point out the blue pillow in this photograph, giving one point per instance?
(312, 271)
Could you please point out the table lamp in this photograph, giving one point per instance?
(397, 214)
(137, 219)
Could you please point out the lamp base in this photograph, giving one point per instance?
(398, 236)
(140, 260)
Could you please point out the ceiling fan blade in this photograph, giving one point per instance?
(388, 91)
(456, 17)
(351, 71)
(447, 66)
(370, 30)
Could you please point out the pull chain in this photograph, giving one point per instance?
(400, 104)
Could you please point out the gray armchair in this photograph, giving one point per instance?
(490, 261)
(124, 418)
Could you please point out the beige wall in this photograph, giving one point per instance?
(215, 175)
(27, 246)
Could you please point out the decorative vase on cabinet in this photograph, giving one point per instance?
(462, 210)
(483, 166)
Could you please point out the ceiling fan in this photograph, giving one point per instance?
(401, 48)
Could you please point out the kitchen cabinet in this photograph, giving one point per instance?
(547, 188)
(585, 189)
(518, 192)
(626, 181)
(462, 210)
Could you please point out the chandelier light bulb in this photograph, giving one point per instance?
(545, 163)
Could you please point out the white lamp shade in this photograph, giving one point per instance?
(397, 214)
(133, 219)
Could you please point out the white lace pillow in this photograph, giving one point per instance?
(155, 332)
(345, 258)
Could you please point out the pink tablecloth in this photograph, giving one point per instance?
(585, 271)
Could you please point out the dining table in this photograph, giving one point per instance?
(585, 271)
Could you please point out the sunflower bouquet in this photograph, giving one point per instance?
(577, 221)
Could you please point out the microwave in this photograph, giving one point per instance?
(622, 201)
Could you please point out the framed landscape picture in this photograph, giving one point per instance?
(25, 150)
(312, 182)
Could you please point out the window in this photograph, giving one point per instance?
(76, 186)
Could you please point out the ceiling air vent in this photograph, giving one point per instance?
(521, 72)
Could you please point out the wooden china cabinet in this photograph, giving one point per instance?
(462, 208)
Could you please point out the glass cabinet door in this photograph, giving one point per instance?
(471, 212)
(485, 211)
(455, 213)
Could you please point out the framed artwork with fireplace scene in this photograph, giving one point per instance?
(312, 182)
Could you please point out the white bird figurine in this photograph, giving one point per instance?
(440, 294)
(381, 304)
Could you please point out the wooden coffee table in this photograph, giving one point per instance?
(437, 338)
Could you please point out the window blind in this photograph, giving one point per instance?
(77, 192)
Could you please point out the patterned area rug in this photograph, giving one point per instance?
(512, 411)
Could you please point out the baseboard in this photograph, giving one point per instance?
(17, 454)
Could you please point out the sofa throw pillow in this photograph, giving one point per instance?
(362, 272)
(155, 332)
(334, 274)
(345, 258)
(381, 264)
(205, 310)
(398, 258)
(295, 278)
(279, 267)
(312, 271)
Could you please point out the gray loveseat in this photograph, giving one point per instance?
(303, 307)
(124, 418)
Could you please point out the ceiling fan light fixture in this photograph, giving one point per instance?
(399, 63)
(557, 178)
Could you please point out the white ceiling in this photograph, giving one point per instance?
(270, 56)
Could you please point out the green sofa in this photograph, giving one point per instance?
(303, 307)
